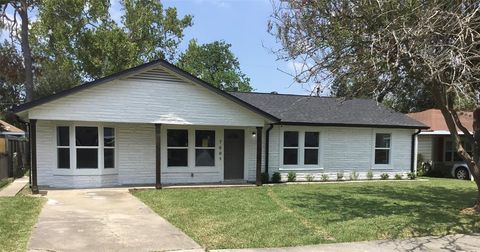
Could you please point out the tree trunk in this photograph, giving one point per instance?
(26, 50)
(476, 154)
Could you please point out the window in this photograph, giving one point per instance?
(177, 147)
(108, 148)
(382, 148)
(311, 148)
(204, 148)
(63, 147)
(451, 153)
(86, 144)
(290, 147)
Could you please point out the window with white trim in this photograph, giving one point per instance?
(382, 148)
(63, 147)
(86, 147)
(311, 148)
(108, 148)
(290, 147)
(451, 153)
(204, 148)
(177, 147)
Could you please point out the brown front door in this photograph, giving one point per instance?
(234, 154)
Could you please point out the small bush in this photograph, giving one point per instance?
(354, 175)
(276, 177)
(291, 177)
(339, 175)
(411, 175)
(324, 177)
(309, 177)
(384, 176)
(370, 175)
(264, 178)
(398, 176)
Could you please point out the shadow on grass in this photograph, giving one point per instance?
(419, 210)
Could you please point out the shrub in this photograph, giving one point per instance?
(370, 175)
(276, 177)
(291, 177)
(264, 178)
(411, 175)
(384, 176)
(339, 175)
(309, 177)
(324, 177)
(398, 176)
(354, 175)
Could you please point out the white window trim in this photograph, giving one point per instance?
(205, 148)
(388, 166)
(179, 148)
(73, 170)
(300, 166)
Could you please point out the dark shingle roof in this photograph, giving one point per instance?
(298, 109)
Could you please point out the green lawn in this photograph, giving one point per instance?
(17, 216)
(4, 182)
(290, 215)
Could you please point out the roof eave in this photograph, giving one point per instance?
(353, 125)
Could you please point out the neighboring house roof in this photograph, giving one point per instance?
(8, 129)
(313, 110)
(435, 120)
(137, 69)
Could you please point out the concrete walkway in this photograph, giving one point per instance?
(13, 188)
(430, 243)
(103, 220)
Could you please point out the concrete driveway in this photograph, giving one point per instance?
(103, 220)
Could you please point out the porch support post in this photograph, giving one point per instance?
(158, 163)
(259, 157)
(33, 155)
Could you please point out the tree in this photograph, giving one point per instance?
(215, 64)
(11, 77)
(20, 11)
(381, 47)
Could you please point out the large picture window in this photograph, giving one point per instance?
(451, 153)
(312, 144)
(177, 147)
(86, 144)
(63, 147)
(204, 148)
(382, 148)
(290, 147)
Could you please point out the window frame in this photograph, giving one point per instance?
(389, 148)
(297, 148)
(74, 170)
(301, 166)
(205, 148)
(452, 152)
(57, 147)
(187, 148)
(305, 147)
(114, 147)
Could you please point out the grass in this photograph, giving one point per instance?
(291, 215)
(5, 181)
(17, 216)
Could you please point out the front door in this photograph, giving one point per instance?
(233, 154)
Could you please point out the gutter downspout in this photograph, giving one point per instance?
(267, 148)
(412, 158)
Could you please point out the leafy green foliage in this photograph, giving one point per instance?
(370, 175)
(276, 177)
(215, 63)
(398, 176)
(310, 178)
(324, 177)
(340, 175)
(11, 77)
(384, 176)
(291, 177)
(354, 175)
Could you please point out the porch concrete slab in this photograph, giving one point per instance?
(458, 242)
(103, 220)
(13, 188)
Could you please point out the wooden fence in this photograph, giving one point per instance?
(13, 157)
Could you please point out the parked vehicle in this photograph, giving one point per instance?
(460, 171)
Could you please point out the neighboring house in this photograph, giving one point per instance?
(9, 138)
(156, 124)
(435, 144)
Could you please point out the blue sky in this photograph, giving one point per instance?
(242, 23)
